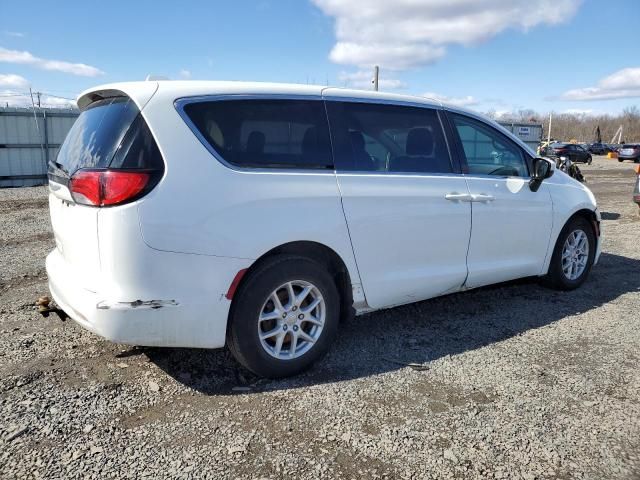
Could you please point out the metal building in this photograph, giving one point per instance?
(529, 133)
(28, 139)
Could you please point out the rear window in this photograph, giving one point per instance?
(110, 133)
(265, 133)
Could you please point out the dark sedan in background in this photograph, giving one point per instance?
(575, 152)
(600, 148)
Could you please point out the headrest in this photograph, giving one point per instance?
(357, 140)
(310, 141)
(419, 142)
(255, 142)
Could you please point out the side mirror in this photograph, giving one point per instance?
(542, 168)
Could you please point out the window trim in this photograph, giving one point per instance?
(182, 102)
(457, 141)
(440, 113)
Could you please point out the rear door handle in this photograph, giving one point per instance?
(482, 197)
(459, 197)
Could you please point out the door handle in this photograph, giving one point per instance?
(459, 197)
(482, 197)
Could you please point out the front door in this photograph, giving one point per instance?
(511, 225)
(403, 200)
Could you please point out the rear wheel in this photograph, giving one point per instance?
(573, 255)
(589, 160)
(284, 316)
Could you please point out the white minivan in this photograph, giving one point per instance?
(205, 214)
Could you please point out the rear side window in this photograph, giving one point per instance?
(265, 133)
(110, 133)
(388, 138)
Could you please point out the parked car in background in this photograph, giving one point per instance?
(629, 151)
(599, 148)
(199, 214)
(573, 151)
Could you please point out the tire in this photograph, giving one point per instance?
(255, 299)
(620, 159)
(557, 277)
(589, 160)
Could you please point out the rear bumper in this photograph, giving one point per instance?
(186, 319)
(628, 157)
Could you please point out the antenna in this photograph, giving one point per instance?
(376, 75)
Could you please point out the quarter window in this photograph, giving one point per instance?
(487, 151)
(388, 138)
(265, 133)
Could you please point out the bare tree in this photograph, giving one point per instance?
(581, 127)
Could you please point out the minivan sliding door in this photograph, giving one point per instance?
(407, 211)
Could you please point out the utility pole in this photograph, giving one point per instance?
(376, 75)
(549, 135)
(38, 94)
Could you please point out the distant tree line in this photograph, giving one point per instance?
(582, 126)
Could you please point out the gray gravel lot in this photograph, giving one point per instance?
(514, 381)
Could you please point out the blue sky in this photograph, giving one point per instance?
(504, 55)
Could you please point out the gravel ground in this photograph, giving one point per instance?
(514, 381)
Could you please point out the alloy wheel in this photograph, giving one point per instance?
(575, 254)
(291, 320)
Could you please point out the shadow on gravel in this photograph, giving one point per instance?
(610, 215)
(417, 334)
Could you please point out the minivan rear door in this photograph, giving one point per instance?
(91, 143)
(407, 209)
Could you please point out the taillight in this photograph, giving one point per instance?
(101, 188)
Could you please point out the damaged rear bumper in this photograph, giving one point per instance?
(138, 321)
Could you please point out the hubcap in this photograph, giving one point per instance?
(575, 254)
(291, 319)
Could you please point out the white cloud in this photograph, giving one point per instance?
(26, 58)
(59, 102)
(14, 34)
(624, 83)
(581, 111)
(186, 74)
(18, 99)
(403, 34)
(13, 81)
(364, 79)
(467, 101)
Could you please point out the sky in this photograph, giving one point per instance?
(489, 55)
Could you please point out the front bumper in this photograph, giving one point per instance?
(598, 226)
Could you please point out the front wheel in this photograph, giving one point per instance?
(573, 255)
(284, 316)
(589, 160)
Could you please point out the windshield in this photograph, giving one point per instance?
(96, 134)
